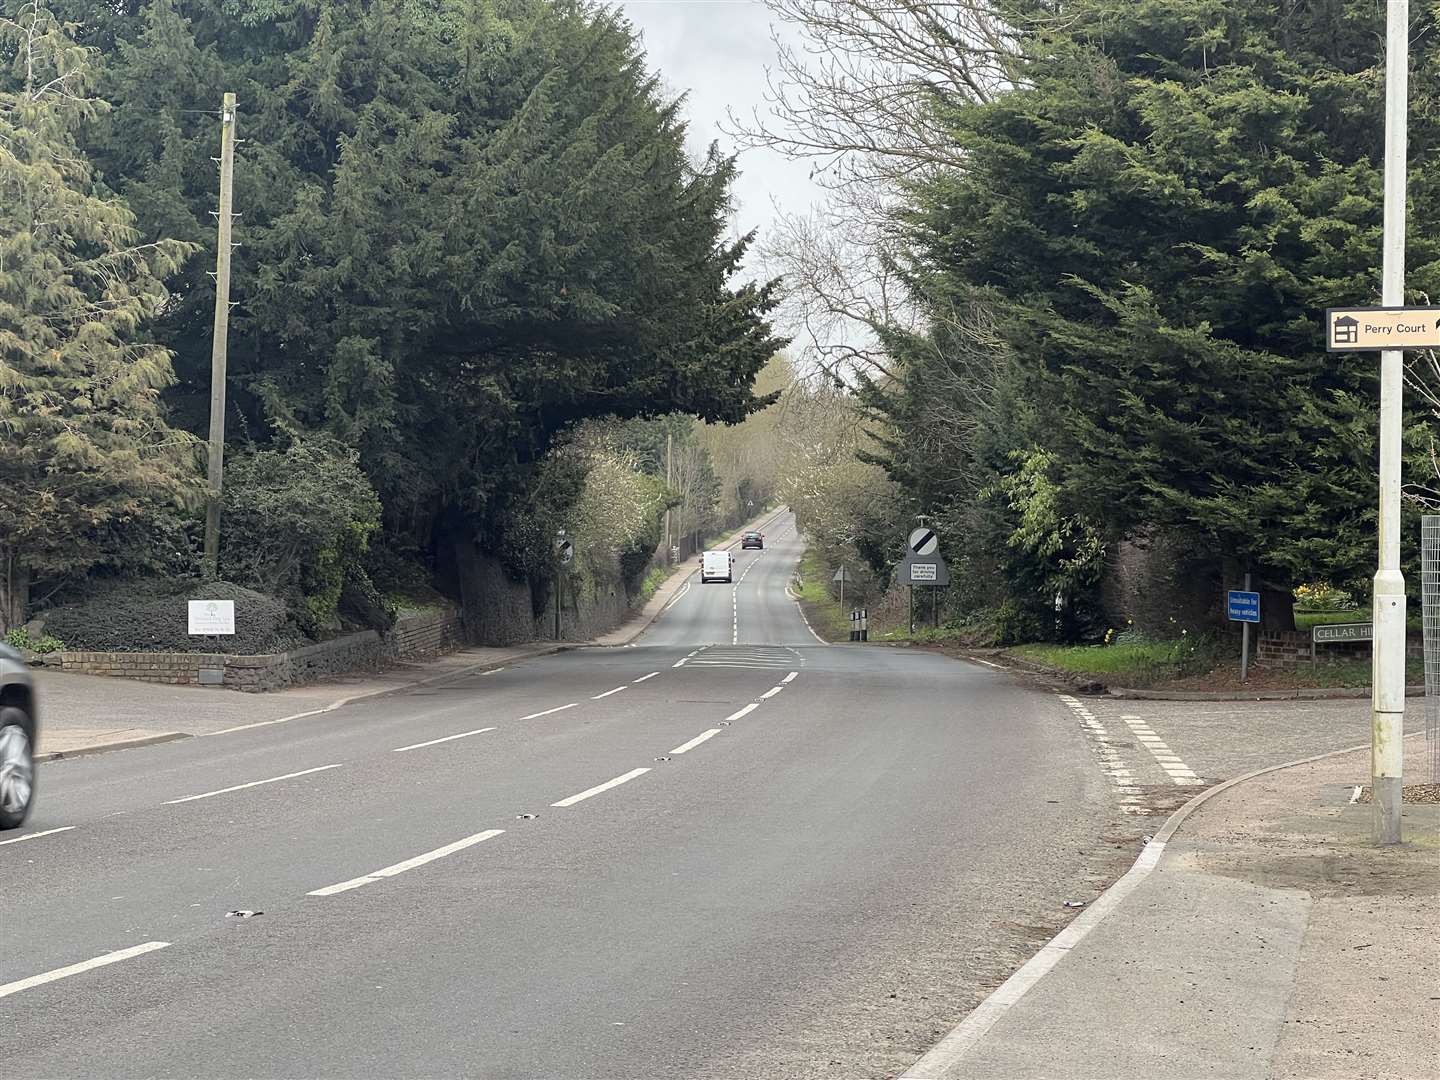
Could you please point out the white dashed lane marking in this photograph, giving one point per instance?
(696, 741)
(6, 989)
(253, 783)
(37, 835)
(598, 788)
(408, 864)
(437, 742)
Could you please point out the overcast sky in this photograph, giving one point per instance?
(718, 51)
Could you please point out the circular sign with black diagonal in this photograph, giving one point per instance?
(923, 541)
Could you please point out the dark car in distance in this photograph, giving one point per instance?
(17, 739)
(752, 540)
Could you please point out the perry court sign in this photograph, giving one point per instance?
(1375, 328)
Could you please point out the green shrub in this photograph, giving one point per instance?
(153, 617)
(20, 638)
(297, 524)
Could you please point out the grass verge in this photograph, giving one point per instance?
(1137, 664)
(1173, 666)
(827, 617)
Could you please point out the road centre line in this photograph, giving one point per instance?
(253, 783)
(607, 693)
(790, 677)
(746, 711)
(598, 788)
(6, 989)
(436, 742)
(644, 677)
(547, 712)
(771, 692)
(35, 835)
(696, 741)
(408, 864)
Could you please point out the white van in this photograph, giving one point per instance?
(717, 566)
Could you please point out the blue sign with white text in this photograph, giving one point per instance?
(1242, 606)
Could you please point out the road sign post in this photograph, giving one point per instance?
(840, 576)
(564, 553)
(1243, 606)
(1387, 707)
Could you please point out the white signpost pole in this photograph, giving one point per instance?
(1388, 701)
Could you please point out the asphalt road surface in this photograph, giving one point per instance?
(727, 851)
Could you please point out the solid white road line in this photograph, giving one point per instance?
(33, 835)
(696, 741)
(408, 864)
(771, 692)
(437, 742)
(790, 677)
(253, 783)
(598, 788)
(547, 712)
(644, 677)
(6, 989)
(607, 693)
(746, 711)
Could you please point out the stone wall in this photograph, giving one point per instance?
(364, 651)
(263, 672)
(419, 634)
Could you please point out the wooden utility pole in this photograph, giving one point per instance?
(215, 473)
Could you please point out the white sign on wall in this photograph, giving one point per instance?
(212, 616)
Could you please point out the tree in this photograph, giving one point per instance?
(83, 441)
(468, 225)
(1156, 216)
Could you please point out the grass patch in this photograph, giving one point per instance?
(1133, 664)
(657, 576)
(827, 617)
(1304, 620)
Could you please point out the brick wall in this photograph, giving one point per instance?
(1288, 649)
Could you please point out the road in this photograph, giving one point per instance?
(727, 851)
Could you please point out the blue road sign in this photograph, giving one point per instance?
(1242, 606)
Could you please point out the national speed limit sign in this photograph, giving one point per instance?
(923, 541)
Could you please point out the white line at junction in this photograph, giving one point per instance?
(6, 989)
(253, 783)
(408, 864)
(598, 788)
(437, 742)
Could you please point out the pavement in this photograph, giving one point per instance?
(728, 851)
(1270, 941)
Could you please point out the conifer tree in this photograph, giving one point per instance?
(83, 440)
